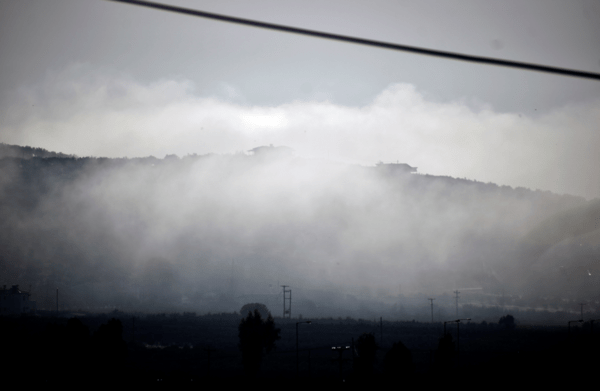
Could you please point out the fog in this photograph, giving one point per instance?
(87, 111)
(210, 232)
(208, 229)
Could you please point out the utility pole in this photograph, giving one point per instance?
(456, 292)
(582, 304)
(431, 300)
(231, 280)
(287, 301)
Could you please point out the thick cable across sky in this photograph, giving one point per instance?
(368, 42)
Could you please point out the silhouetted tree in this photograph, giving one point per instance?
(250, 307)
(398, 361)
(508, 321)
(256, 335)
(366, 350)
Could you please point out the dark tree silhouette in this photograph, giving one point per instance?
(250, 307)
(397, 362)
(366, 350)
(256, 335)
(508, 321)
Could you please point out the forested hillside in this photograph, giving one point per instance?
(7, 150)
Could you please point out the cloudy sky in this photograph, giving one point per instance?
(100, 78)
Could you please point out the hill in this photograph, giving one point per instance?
(16, 151)
(206, 233)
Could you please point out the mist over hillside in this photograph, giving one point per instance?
(209, 232)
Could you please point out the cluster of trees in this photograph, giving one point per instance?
(257, 337)
(507, 321)
(64, 351)
(16, 151)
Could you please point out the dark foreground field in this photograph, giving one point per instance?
(117, 347)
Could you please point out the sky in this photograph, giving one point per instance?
(101, 78)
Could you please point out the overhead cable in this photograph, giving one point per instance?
(368, 42)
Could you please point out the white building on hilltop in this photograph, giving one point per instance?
(14, 302)
(395, 168)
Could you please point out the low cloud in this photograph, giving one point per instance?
(88, 112)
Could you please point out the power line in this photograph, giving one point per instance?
(369, 42)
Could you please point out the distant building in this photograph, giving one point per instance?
(14, 302)
(272, 151)
(395, 168)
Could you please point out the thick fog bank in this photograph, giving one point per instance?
(211, 232)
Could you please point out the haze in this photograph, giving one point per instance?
(103, 79)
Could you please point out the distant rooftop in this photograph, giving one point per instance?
(393, 168)
(270, 149)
